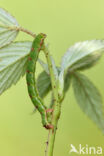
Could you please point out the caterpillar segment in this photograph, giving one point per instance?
(37, 45)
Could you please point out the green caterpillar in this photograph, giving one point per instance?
(37, 45)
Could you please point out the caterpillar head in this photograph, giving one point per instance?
(43, 36)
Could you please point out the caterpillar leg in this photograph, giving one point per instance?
(49, 126)
(49, 117)
(49, 110)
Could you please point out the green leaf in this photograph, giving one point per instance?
(67, 82)
(13, 59)
(88, 98)
(43, 84)
(64, 84)
(82, 55)
(88, 61)
(47, 84)
(7, 23)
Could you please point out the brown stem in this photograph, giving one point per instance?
(17, 28)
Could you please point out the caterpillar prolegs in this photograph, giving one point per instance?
(37, 45)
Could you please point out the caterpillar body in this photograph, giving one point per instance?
(37, 45)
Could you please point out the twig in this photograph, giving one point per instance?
(17, 28)
(46, 151)
(26, 31)
(56, 105)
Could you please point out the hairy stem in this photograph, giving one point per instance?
(52, 139)
(56, 105)
(19, 29)
(25, 31)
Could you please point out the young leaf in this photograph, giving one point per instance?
(88, 98)
(67, 83)
(7, 22)
(55, 69)
(61, 83)
(13, 60)
(82, 55)
(44, 66)
(43, 84)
